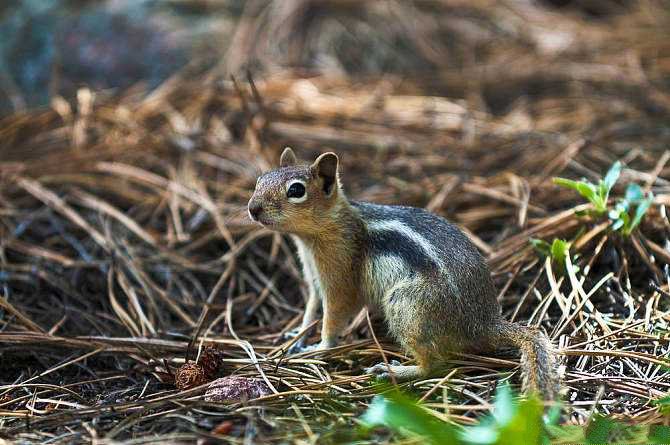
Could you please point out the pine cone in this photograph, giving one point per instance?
(210, 360)
(189, 375)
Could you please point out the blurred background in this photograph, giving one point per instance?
(496, 52)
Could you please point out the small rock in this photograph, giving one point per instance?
(236, 389)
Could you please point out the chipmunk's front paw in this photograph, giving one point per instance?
(323, 345)
(381, 370)
(299, 347)
(293, 333)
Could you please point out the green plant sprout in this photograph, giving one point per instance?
(596, 194)
(620, 216)
(558, 251)
(513, 421)
(402, 414)
(634, 200)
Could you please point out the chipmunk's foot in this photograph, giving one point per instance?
(299, 346)
(293, 333)
(382, 371)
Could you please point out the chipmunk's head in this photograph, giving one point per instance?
(296, 198)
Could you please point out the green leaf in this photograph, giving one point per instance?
(526, 426)
(480, 434)
(405, 416)
(559, 250)
(567, 434)
(611, 178)
(663, 404)
(619, 208)
(663, 401)
(599, 430)
(504, 408)
(634, 193)
(567, 183)
(596, 195)
(619, 223)
(553, 415)
(511, 423)
(659, 434)
(622, 206)
(641, 209)
(619, 217)
(541, 246)
(588, 191)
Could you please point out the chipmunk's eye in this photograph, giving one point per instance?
(296, 192)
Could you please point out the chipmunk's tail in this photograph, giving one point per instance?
(538, 365)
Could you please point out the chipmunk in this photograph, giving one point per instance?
(427, 278)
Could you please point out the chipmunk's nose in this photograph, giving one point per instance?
(255, 210)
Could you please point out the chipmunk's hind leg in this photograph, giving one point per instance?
(405, 315)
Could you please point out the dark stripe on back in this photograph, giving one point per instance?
(391, 242)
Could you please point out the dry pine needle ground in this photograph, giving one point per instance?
(125, 247)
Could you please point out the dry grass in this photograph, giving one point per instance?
(125, 245)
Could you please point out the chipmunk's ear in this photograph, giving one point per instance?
(287, 158)
(325, 168)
